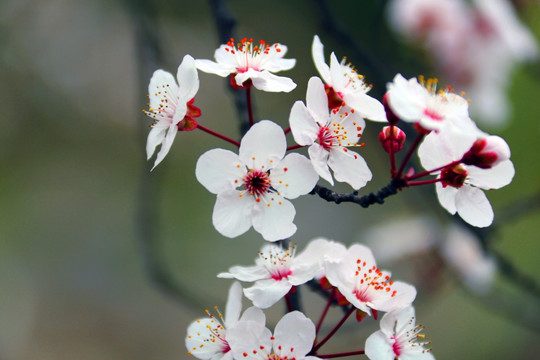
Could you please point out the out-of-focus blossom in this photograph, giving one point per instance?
(462, 252)
(251, 64)
(345, 85)
(367, 288)
(277, 270)
(293, 339)
(328, 133)
(476, 46)
(266, 178)
(461, 185)
(399, 338)
(209, 338)
(171, 106)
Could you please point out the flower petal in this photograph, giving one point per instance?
(349, 167)
(219, 170)
(473, 206)
(263, 145)
(317, 52)
(232, 213)
(366, 106)
(294, 176)
(379, 347)
(294, 335)
(273, 219)
(197, 342)
(265, 293)
(494, 178)
(246, 337)
(155, 137)
(166, 144)
(319, 160)
(246, 273)
(405, 295)
(267, 81)
(317, 101)
(303, 126)
(188, 79)
(337, 74)
(447, 197)
(160, 81)
(234, 305)
(253, 314)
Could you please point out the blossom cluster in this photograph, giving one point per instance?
(254, 188)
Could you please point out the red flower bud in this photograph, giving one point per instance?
(487, 152)
(395, 140)
(390, 116)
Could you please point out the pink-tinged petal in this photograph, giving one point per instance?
(166, 144)
(444, 147)
(219, 170)
(317, 101)
(303, 126)
(405, 295)
(447, 197)
(349, 167)
(267, 81)
(246, 337)
(180, 113)
(317, 52)
(407, 98)
(366, 106)
(319, 160)
(161, 80)
(336, 72)
(254, 314)
(294, 176)
(246, 273)
(265, 293)
(302, 273)
(232, 213)
(155, 137)
(234, 305)
(212, 67)
(379, 347)
(273, 218)
(294, 335)
(473, 206)
(263, 145)
(188, 79)
(494, 178)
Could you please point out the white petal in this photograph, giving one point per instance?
(447, 197)
(336, 72)
(349, 167)
(263, 145)
(319, 160)
(439, 149)
(303, 126)
(407, 98)
(246, 273)
(188, 79)
(317, 101)
(161, 80)
(246, 337)
(280, 64)
(265, 293)
(166, 144)
(155, 137)
(197, 341)
(366, 106)
(212, 67)
(379, 347)
(219, 170)
(299, 178)
(317, 51)
(232, 213)
(294, 331)
(254, 314)
(274, 222)
(494, 178)
(398, 319)
(267, 81)
(473, 206)
(405, 295)
(234, 305)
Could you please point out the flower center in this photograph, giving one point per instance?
(247, 54)
(396, 346)
(433, 115)
(325, 138)
(278, 261)
(257, 182)
(454, 176)
(371, 280)
(354, 81)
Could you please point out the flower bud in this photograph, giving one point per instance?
(395, 141)
(487, 152)
(390, 115)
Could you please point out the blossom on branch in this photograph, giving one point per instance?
(328, 133)
(345, 85)
(398, 338)
(209, 338)
(253, 187)
(461, 182)
(251, 64)
(171, 106)
(367, 288)
(292, 339)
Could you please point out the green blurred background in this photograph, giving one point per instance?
(77, 198)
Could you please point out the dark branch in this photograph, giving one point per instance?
(365, 200)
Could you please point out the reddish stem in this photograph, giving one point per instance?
(391, 152)
(350, 353)
(426, 173)
(409, 154)
(287, 130)
(292, 147)
(336, 328)
(249, 107)
(423, 182)
(325, 311)
(223, 137)
(288, 301)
